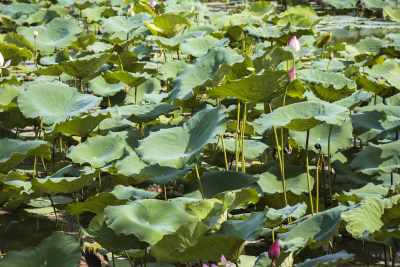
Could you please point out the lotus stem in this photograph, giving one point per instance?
(198, 179)
(113, 258)
(329, 165)
(225, 157)
(129, 259)
(393, 257)
(44, 166)
(120, 63)
(34, 37)
(135, 95)
(99, 182)
(109, 103)
(327, 67)
(384, 255)
(165, 192)
(243, 130)
(145, 256)
(317, 184)
(280, 161)
(308, 174)
(237, 136)
(391, 178)
(54, 208)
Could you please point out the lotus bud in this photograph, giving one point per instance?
(294, 43)
(331, 56)
(132, 13)
(318, 146)
(292, 74)
(35, 33)
(274, 252)
(153, 4)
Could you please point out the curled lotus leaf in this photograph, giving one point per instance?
(54, 102)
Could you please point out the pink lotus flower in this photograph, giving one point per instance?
(152, 4)
(227, 263)
(319, 2)
(274, 252)
(292, 74)
(2, 65)
(294, 43)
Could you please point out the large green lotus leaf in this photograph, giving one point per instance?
(315, 231)
(16, 10)
(149, 91)
(59, 33)
(253, 149)
(295, 176)
(391, 216)
(132, 167)
(97, 151)
(208, 70)
(198, 47)
(341, 137)
(337, 259)
(13, 152)
(57, 250)
(393, 77)
(277, 217)
(190, 243)
(55, 58)
(365, 218)
(367, 124)
(354, 100)
(13, 52)
(99, 47)
(95, 204)
(16, 192)
(335, 64)
(248, 229)
(8, 95)
(131, 79)
(19, 40)
(132, 193)
(53, 185)
(384, 234)
(170, 69)
(178, 146)
(389, 110)
(243, 197)
(281, 34)
(168, 25)
(144, 113)
(301, 10)
(124, 23)
(84, 67)
(386, 158)
(175, 42)
(54, 102)
(252, 88)
(345, 174)
(80, 126)
(149, 220)
(270, 59)
(293, 19)
(302, 116)
(215, 182)
(129, 61)
(108, 238)
(356, 195)
(327, 85)
(259, 9)
(370, 44)
(380, 88)
(130, 139)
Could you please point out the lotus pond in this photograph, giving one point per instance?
(183, 133)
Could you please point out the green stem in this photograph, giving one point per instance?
(317, 184)
(308, 173)
(226, 158)
(243, 129)
(198, 179)
(54, 208)
(393, 257)
(280, 161)
(129, 259)
(237, 136)
(329, 165)
(113, 258)
(327, 68)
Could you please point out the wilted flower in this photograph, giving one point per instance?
(318, 146)
(294, 43)
(2, 65)
(153, 4)
(292, 74)
(274, 252)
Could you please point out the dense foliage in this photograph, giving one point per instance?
(189, 133)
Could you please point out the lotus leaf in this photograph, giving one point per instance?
(123, 23)
(54, 102)
(84, 67)
(175, 42)
(59, 33)
(97, 151)
(149, 220)
(198, 47)
(215, 182)
(80, 126)
(13, 152)
(131, 79)
(144, 113)
(277, 217)
(386, 158)
(336, 259)
(57, 250)
(260, 9)
(179, 146)
(168, 25)
(95, 204)
(302, 116)
(99, 86)
(248, 229)
(208, 70)
(356, 195)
